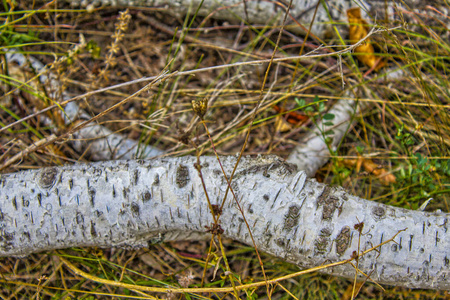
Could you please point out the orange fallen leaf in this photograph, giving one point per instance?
(372, 168)
(357, 31)
(285, 120)
(292, 117)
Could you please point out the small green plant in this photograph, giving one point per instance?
(422, 177)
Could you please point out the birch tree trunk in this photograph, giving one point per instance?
(137, 203)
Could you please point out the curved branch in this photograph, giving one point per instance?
(136, 203)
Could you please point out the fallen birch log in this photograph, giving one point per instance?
(138, 203)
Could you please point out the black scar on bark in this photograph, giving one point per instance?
(146, 196)
(291, 218)
(329, 202)
(135, 209)
(321, 243)
(182, 178)
(343, 240)
(47, 178)
(379, 212)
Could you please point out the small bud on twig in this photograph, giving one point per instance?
(200, 107)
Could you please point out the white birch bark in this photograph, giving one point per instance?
(137, 203)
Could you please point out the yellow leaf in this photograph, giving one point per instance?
(357, 31)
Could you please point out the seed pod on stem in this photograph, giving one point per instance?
(200, 107)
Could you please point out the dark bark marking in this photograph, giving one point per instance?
(26, 234)
(157, 221)
(59, 201)
(25, 202)
(14, 203)
(91, 193)
(329, 203)
(114, 191)
(39, 199)
(146, 196)
(423, 228)
(79, 218)
(410, 241)
(125, 193)
(275, 200)
(379, 212)
(70, 184)
(97, 172)
(135, 209)
(250, 209)
(47, 177)
(98, 213)
(6, 240)
(437, 239)
(136, 177)
(63, 221)
(254, 223)
(266, 197)
(182, 177)
(444, 225)
(446, 262)
(343, 240)
(188, 218)
(280, 242)
(178, 212)
(394, 248)
(291, 218)
(93, 231)
(321, 243)
(156, 180)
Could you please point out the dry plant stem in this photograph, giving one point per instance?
(229, 188)
(237, 204)
(19, 156)
(223, 289)
(137, 203)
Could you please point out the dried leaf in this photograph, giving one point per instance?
(358, 29)
(285, 120)
(372, 168)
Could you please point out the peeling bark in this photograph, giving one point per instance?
(137, 203)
